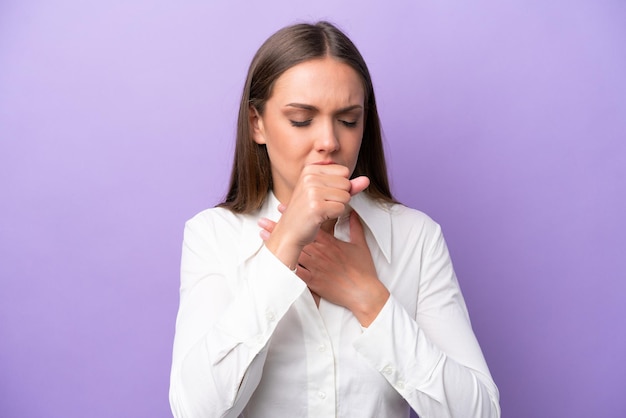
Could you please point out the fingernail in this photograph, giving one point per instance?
(264, 234)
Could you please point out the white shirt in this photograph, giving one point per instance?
(250, 341)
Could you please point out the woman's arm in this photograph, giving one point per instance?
(228, 311)
(432, 358)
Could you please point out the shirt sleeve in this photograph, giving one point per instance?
(433, 358)
(226, 317)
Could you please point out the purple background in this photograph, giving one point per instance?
(505, 121)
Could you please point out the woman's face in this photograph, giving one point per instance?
(315, 115)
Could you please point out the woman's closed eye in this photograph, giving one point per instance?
(307, 122)
(300, 123)
(349, 124)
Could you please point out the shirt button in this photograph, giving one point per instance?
(400, 384)
(321, 348)
(321, 394)
(270, 316)
(388, 370)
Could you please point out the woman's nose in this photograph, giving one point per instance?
(327, 139)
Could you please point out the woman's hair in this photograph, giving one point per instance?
(251, 178)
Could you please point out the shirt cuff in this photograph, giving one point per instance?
(395, 346)
(267, 291)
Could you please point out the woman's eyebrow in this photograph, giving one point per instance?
(349, 108)
(313, 108)
(302, 106)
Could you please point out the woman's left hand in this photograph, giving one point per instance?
(341, 272)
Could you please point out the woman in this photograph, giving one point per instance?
(309, 292)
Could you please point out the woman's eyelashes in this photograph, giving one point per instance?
(303, 123)
(300, 124)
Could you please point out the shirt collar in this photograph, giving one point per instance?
(375, 215)
(251, 242)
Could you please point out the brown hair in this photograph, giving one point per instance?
(251, 178)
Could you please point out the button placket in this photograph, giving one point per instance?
(388, 370)
(320, 359)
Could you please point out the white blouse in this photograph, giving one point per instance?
(250, 341)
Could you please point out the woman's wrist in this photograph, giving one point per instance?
(367, 311)
(284, 249)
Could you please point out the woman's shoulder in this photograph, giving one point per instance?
(402, 211)
(403, 216)
(413, 222)
(403, 223)
(216, 214)
(217, 219)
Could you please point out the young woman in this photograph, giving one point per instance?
(309, 292)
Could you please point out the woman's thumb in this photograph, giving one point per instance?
(358, 185)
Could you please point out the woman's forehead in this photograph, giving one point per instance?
(320, 81)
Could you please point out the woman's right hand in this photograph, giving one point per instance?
(321, 194)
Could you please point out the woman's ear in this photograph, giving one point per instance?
(256, 126)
